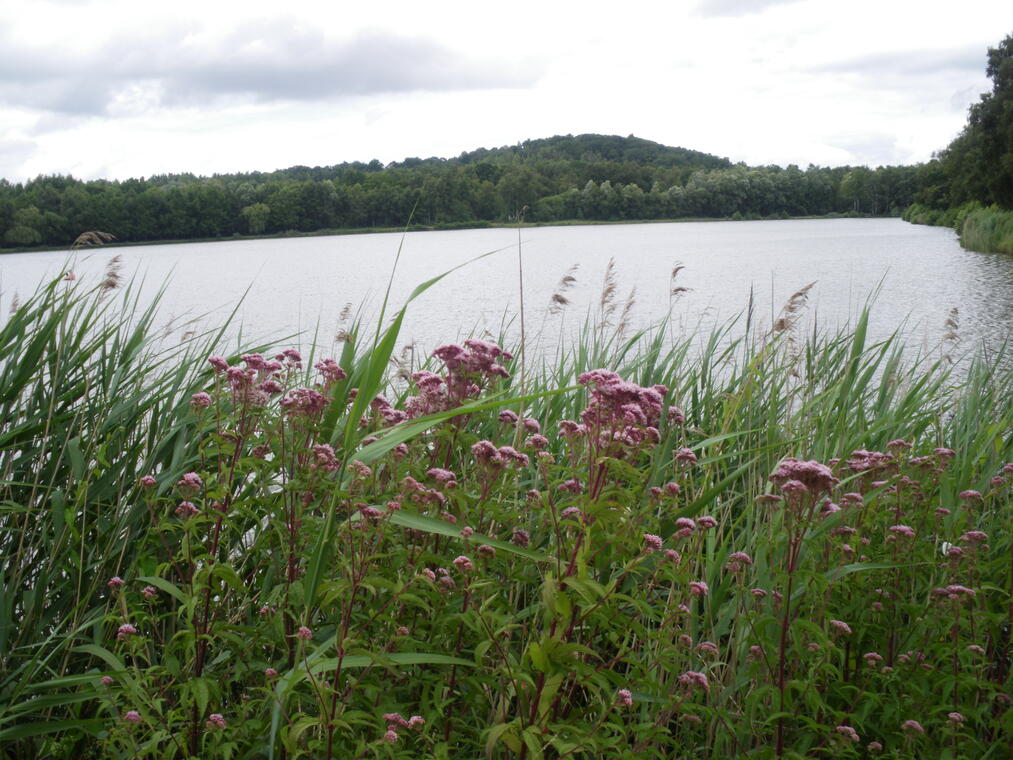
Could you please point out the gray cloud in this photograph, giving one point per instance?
(916, 63)
(14, 152)
(870, 148)
(735, 8)
(260, 62)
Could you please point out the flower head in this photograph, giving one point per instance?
(132, 716)
(624, 698)
(215, 720)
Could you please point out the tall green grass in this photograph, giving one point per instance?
(92, 399)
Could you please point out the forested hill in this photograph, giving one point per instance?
(596, 148)
(587, 177)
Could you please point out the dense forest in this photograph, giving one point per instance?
(969, 184)
(584, 177)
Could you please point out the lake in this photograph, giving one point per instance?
(294, 285)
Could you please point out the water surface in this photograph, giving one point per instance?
(285, 286)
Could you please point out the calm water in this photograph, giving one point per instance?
(304, 284)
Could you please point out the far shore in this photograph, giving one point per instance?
(476, 225)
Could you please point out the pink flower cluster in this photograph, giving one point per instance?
(814, 476)
(617, 411)
(469, 368)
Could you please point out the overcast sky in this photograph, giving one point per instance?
(127, 88)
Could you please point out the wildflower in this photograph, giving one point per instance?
(394, 720)
(510, 454)
(531, 425)
(571, 513)
(955, 719)
(107, 680)
(265, 610)
(676, 416)
(690, 718)
(756, 652)
(673, 489)
(149, 592)
(270, 672)
(303, 402)
(115, 582)
(974, 537)
(441, 475)
(652, 543)
(330, 370)
(840, 626)
(463, 564)
(390, 737)
(976, 649)
(360, 469)
(738, 560)
(624, 698)
(508, 417)
(902, 530)
(871, 658)
(874, 747)
(692, 678)
(794, 487)
(942, 511)
(200, 400)
(402, 630)
(416, 721)
(813, 646)
(758, 593)
(147, 481)
(304, 633)
(672, 555)
(956, 591)
(706, 522)
(769, 498)
(125, 630)
(708, 648)
(467, 531)
(132, 716)
(215, 720)
(847, 732)
(520, 537)
(190, 480)
(186, 509)
(815, 476)
(698, 588)
(970, 495)
(537, 442)
(685, 640)
(912, 727)
(685, 456)
(486, 552)
(685, 523)
(428, 574)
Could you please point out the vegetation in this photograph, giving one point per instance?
(976, 169)
(587, 177)
(796, 545)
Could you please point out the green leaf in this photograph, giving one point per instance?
(442, 528)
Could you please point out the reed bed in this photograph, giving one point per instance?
(778, 545)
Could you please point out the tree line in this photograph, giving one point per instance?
(584, 177)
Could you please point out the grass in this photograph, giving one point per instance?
(300, 577)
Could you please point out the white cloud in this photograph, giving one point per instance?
(119, 88)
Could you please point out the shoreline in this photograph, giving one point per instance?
(450, 226)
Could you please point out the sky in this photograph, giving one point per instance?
(128, 88)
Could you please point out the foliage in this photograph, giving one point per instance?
(267, 557)
(976, 169)
(587, 177)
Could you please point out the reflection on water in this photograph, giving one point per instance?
(918, 274)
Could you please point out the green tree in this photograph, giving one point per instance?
(256, 216)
